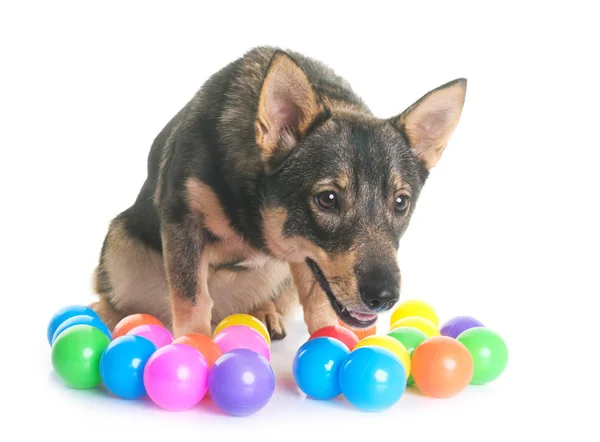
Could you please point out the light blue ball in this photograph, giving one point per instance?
(316, 367)
(65, 313)
(122, 366)
(94, 321)
(372, 378)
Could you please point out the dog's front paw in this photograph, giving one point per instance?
(274, 322)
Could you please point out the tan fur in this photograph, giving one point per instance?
(430, 122)
(283, 75)
(136, 276)
(318, 312)
(107, 312)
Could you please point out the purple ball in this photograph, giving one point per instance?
(241, 382)
(459, 324)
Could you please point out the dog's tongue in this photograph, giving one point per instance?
(363, 317)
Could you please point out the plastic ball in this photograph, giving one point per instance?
(391, 344)
(204, 344)
(344, 335)
(130, 322)
(360, 332)
(156, 334)
(316, 367)
(122, 366)
(244, 319)
(372, 378)
(411, 338)
(94, 321)
(65, 313)
(76, 356)
(414, 307)
(242, 336)
(425, 325)
(442, 367)
(241, 382)
(455, 326)
(176, 377)
(489, 352)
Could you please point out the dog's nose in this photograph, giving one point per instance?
(379, 298)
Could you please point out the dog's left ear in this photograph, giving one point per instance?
(287, 108)
(429, 122)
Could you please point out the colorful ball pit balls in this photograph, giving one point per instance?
(156, 334)
(316, 367)
(241, 382)
(425, 325)
(244, 319)
(442, 367)
(455, 326)
(94, 321)
(489, 352)
(176, 377)
(65, 313)
(414, 307)
(76, 356)
(122, 366)
(204, 344)
(241, 336)
(411, 338)
(372, 378)
(391, 344)
(130, 322)
(344, 335)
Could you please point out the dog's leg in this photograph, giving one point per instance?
(318, 312)
(108, 314)
(273, 313)
(186, 268)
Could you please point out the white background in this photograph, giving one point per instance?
(506, 229)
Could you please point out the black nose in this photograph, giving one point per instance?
(379, 297)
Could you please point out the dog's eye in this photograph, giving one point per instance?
(327, 200)
(401, 203)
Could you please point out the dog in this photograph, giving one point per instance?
(274, 186)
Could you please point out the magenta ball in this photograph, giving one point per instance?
(240, 336)
(455, 326)
(176, 377)
(156, 334)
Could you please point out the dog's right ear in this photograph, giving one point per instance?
(287, 108)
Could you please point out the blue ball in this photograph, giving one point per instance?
(372, 378)
(316, 367)
(122, 366)
(94, 321)
(65, 313)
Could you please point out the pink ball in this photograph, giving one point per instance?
(242, 336)
(156, 334)
(176, 377)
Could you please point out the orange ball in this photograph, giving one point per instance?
(441, 366)
(130, 322)
(204, 344)
(360, 333)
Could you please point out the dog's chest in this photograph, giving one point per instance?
(241, 278)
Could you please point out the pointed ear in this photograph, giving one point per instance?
(287, 108)
(429, 123)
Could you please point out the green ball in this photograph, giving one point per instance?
(411, 338)
(76, 356)
(489, 352)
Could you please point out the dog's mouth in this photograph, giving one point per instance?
(349, 316)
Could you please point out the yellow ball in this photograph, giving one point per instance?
(247, 320)
(414, 307)
(390, 344)
(425, 325)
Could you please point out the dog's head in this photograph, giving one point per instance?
(341, 185)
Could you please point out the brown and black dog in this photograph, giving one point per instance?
(275, 183)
